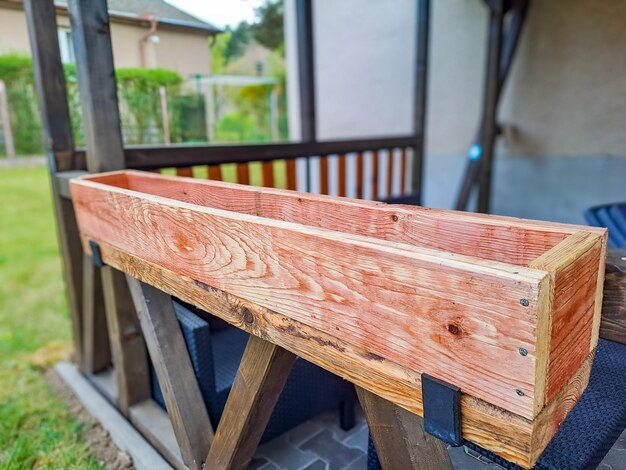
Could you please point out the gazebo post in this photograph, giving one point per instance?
(91, 37)
(59, 144)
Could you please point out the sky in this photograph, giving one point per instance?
(219, 12)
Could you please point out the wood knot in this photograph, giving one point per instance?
(395, 217)
(454, 329)
(247, 316)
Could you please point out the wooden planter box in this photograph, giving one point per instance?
(506, 309)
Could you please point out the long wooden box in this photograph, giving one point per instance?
(506, 309)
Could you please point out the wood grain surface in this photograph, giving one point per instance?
(496, 238)
(574, 266)
(423, 309)
(613, 325)
(511, 436)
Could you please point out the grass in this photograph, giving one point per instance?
(36, 429)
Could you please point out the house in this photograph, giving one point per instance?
(145, 33)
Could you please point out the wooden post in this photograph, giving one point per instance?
(169, 355)
(57, 127)
(259, 382)
(6, 122)
(165, 116)
(421, 92)
(399, 436)
(91, 36)
(128, 349)
(492, 91)
(97, 354)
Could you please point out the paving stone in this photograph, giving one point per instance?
(304, 432)
(358, 464)
(465, 459)
(357, 437)
(257, 463)
(286, 456)
(317, 465)
(331, 450)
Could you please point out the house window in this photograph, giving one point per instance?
(66, 46)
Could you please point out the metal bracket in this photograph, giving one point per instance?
(442, 410)
(96, 257)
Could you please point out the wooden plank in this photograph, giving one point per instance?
(155, 425)
(170, 358)
(96, 351)
(262, 374)
(57, 127)
(186, 171)
(268, 174)
(128, 349)
(389, 188)
(510, 240)
(399, 436)
(342, 176)
(613, 325)
(91, 37)
(324, 175)
(403, 164)
(573, 265)
(504, 433)
(215, 172)
(359, 175)
(375, 174)
(291, 174)
(243, 174)
(432, 301)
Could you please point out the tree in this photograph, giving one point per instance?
(268, 27)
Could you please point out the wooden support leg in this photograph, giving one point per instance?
(399, 436)
(170, 357)
(96, 351)
(259, 382)
(128, 349)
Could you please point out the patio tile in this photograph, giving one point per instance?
(330, 449)
(317, 465)
(357, 437)
(286, 456)
(358, 464)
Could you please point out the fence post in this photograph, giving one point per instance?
(165, 116)
(6, 122)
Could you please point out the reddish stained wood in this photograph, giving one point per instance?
(342, 175)
(403, 163)
(291, 174)
(186, 171)
(389, 189)
(359, 176)
(243, 173)
(268, 174)
(324, 175)
(428, 312)
(489, 237)
(574, 266)
(214, 172)
(375, 173)
(508, 435)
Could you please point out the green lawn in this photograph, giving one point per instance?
(36, 430)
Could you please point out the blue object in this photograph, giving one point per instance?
(216, 348)
(592, 426)
(613, 217)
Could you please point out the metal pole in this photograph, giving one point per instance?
(165, 116)
(421, 91)
(490, 106)
(6, 122)
(306, 71)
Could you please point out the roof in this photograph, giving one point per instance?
(164, 12)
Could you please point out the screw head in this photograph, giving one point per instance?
(523, 351)
(519, 392)
(524, 302)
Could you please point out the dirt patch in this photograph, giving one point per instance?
(98, 439)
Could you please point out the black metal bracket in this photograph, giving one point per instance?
(96, 257)
(442, 410)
